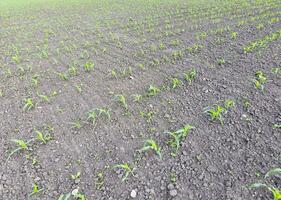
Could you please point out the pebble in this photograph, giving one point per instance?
(173, 193)
(133, 193)
(170, 186)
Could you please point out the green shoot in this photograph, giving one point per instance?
(221, 61)
(176, 83)
(65, 196)
(122, 100)
(190, 75)
(127, 170)
(97, 112)
(178, 136)
(28, 104)
(137, 97)
(44, 97)
(63, 76)
(217, 111)
(35, 190)
(22, 146)
(75, 176)
(43, 138)
(76, 125)
(260, 80)
(152, 90)
(100, 181)
(150, 144)
(89, 66)
(275, 126)
(276, 193)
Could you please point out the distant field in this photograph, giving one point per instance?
(140, 99)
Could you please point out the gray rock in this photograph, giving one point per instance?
(173, 193)
(133, 193)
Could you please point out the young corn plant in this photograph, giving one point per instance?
(35, 190)
(178, 136)
(21, 146)
(100, 181)
(217, 111)
(75, 176)
(89, 66)
(127, 170)
(147, 115)
(276, 193)
(150, 144)
(43, 138)
(260, 80)
(28, 104)
(95, 113)
(176, 83)
(44, 97)
(190, 75)
(121, 100)
(276, 126)
(137, 97)
(152, 90)
(62, 75)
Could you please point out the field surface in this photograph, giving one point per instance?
(138, 99)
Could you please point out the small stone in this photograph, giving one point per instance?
(170, 186)
(173, 193)
(133, 193)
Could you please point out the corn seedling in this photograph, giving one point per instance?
(127, 170)
(137, 97)
(217, 111)
(89, 66)
(28, 104)
(190, 75)
(63, 76)
(75, 176)
(35, 190)
(76, 125)
(121, 100)
(221, 61)
(277, 71)
(176, 83)
(178, 136)
(276, 193)
(246, 103)
(78, 87)
(113, 73)
(152, 90)
(260, 80)
(43, 138)
(147, 115)
(44, 97)
(93, 114)
(276, 126)
(100, 181)
(22, 146)
(150, 144)
(35, 80)
(72, 70)
(65, 196)
(234, 35)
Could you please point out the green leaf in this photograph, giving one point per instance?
(258, 185)
(64, 196)
(273, 172)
